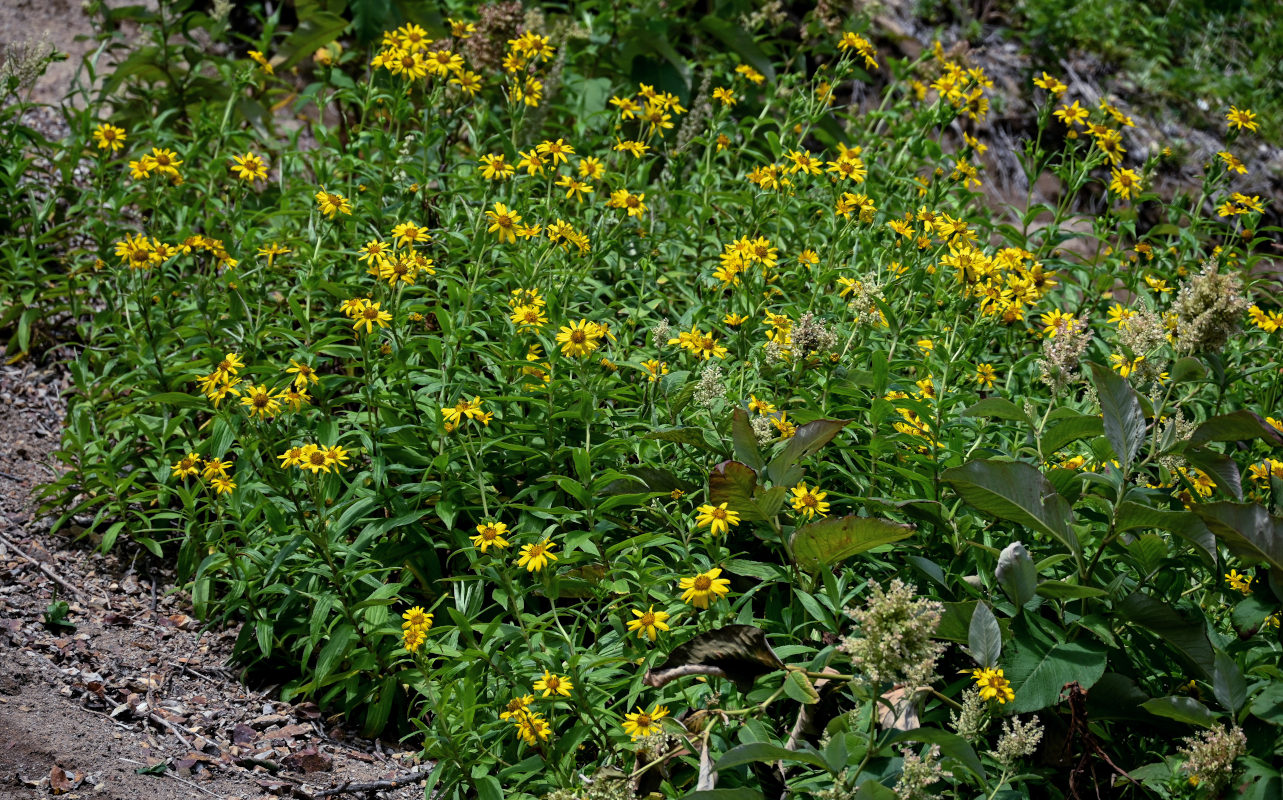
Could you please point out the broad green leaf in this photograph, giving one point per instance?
(1121, 414)
(1017, 492)
(997, 408)
(1060, 590)
(1189, 637)
(834, 539)
(690, 435)
(745, 441)
(1130, 516)
(1181, 709)
(984, 638)
(1247, 529)
(1221, 468)
(764, 751)
(1038, 674)
(798, 687)
(736, 485)
(1187, 369)
(1228, 684)
(1071, 430)
(1235, 427)
(809, 438)
(951, 745)
(1016, 573)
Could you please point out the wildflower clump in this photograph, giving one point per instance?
(1208, 309)
(1208, 758)
(894, 641)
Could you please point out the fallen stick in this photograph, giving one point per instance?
(157, 718)
(43, 568)
(168, 774)
(348, 787)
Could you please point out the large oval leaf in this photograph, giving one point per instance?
(1121, 414)
(1038, 674)
(1017, 492)
(1247, 529)
(831, 540)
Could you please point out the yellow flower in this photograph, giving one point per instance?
(551, 684)
(187, 465)
(503, 222)
(1240, 583)
(374, 251)
(760, 406)
(985, 375)
(303, 374)
(262, 61)
(1052, 85)
(654, 369)
(579, 338)
(724, 96)
(1241, 118)
(369, 316)
(249, 167)
(1072, 115)
(750, 73)
(273, 250)
(416, 617)
(648, 623)
(495, 168)
(407, 234)
(529, 317)
(1125, 183)
(993, 686)
(313, 459)
(335, 456)
(717, 518)
(261, 402)
(109, 137)
(643, 723)
(332, 204)
(534, 557)
(490, 534)
(704, 587)
(809, 502)
(222, 485)
(531, 727)
(291, 457)
(516, 707)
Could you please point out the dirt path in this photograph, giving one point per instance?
(137, 684)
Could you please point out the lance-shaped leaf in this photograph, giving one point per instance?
(1220, 468)
(737, 652)
(833, 539)
(1016, 574)
(1247, 529)
(1130, 516)
(736, 485)
(997, 408)
(1121, 414)
(1181, 709)
(1084, 426)
(744, 440)
(783, 469)
(1017, 492)
(1187, 636)
(1235, 427)
(984, 638)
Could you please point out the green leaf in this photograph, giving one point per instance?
(834, 539)
(1221, 468)
(691, 436)
(1235, 427)
(1016, 573)
(737, 652)
(997, 408)
(1189, 637)
(1228, 684)
(1247, 529)
(798, 687)
(1187, 369)
(1084, 426)
(736, 485)
(1181, 709)
(1038, 674)
(314, 32)
(1121, 414)
(984, 637)
(1017, 492)
(745, 441)
(951, 745)
(1060, 590)
(809, 438)
(489, 788)
(335, 651)
(872, 790)
(726, 794)
(765, 751)
(1130, 516)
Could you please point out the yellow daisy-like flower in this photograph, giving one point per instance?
(109, 137)
(702, 588)
(495, 168)
(648, 623)
(249, 167)
(490, 534)
(579, 338)
(186, 466)
(532, 727)
(213, 467)
(1239, 583)
(718, 518)
(993, 686)
(332, 203)
(1241, 118)
(1125, 183)
(809, 502)
(416, 617)
(291, 457)
(370, 316)
(222, 485)
(261, 402)
(313, 459)
(534, 557)
(407, 234)
(303, 374)
(985, 375)
(335, 456)
(503, 223)
(551, 684)
(262, 61)
(643, 723)
(516, 707)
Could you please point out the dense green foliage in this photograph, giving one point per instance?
(617, 409)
